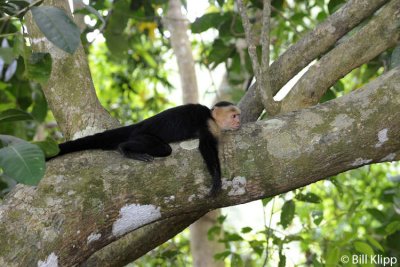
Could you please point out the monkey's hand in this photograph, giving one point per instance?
(216, 187)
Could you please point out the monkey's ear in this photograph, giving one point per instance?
(217, 113)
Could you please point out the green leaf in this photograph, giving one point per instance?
(214, 232)
(392, 227)
(232, 237)
(7, 54)
(392, 241)
(317, 216)
(282, 260)
(332, 256)
(236, 260)
(329, 95)
(377, 214)
(258, 246)
(221, 219)
(287, 213)
(38, 67)
(207, 21)
(58, 27)
(246, 230)
(231, 24)
(395, 58)
(116, 40)
(374, 243)
(337, 184)
(309, 197)
(49, 147)
(316, 263)
(339, 86)
(220, 52)
(22, 91)
(19, 45)
(354, 206)
(335, 5)
(363, 248)
(22, 161)
(170, 254)
(291, 238)
(14, 115)
(3, 185)
(40, 107)
(322, 16)
(222, 255)
(265, 201)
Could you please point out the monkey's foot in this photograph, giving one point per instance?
(215, 190)
(139, 156)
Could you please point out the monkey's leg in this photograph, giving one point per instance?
(144, 148)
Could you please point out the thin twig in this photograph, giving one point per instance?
(260, 72)
(269, 233)
(265, 86)
(266, 14)
(6, 18)
(250, 39)
(4, 35)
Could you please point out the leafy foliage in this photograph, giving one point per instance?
(54, 23)
(58, 27)
(21, 161)
(326, 223)
(23, 106)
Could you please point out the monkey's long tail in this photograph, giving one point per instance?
(107, 140)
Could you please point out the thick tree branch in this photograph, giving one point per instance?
(103, 195)
(126, 249)
(383, 31)
(314, 44)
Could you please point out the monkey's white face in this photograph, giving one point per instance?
(227, 118)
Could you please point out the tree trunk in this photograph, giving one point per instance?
(177, 25)
(203, 249)
(68, 87)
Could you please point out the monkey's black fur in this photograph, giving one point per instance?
(151, 137)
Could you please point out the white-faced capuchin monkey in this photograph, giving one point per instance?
(151, 137)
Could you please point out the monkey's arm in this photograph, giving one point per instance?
(209, 150)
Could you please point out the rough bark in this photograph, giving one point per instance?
(79, 18)
(126, 249)
(314, 44)
(70, 85)
(83, 204)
